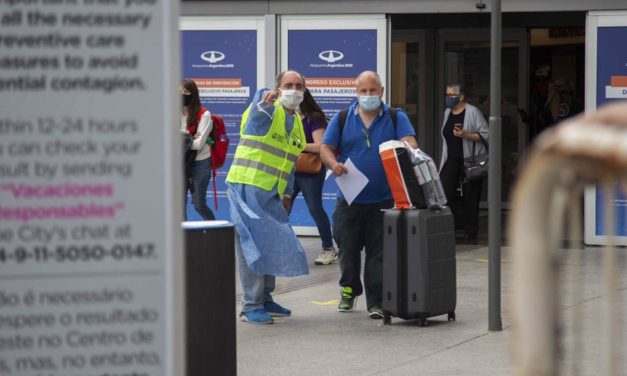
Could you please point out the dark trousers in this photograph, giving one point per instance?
(452, 172)
(356, 227)
(201, 174)
(310, 185)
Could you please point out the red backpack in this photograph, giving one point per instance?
(218, 141)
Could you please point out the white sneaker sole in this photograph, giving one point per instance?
(245, 319)
(325, 262)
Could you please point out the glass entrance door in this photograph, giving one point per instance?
(464, 58)
(413, 80)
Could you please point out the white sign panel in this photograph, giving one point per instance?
(226, 58)
(89, 206)
(331, 51)
(606, 82)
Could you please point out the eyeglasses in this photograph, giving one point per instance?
(365, 132)
(451, 95)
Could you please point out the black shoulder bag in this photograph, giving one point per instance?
(476, 166)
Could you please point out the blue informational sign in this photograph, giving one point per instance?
(223, 63)
(611, 86)
(330, 60)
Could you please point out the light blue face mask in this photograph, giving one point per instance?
(369, 102)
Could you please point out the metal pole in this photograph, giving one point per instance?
(272, 63)
(494, 173)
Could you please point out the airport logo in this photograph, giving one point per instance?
(213, 56)
(331, 59)
(331, 56)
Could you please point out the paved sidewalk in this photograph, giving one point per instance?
(317, 340)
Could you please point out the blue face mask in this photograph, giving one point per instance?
(369, 102)
(451, 102)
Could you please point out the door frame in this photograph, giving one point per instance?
(425, 132)
(519, 35)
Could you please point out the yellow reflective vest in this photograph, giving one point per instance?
(264, 161)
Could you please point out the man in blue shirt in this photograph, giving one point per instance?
(368, 124)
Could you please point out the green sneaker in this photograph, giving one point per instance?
(347, 300)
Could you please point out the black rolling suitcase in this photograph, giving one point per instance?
(419, 276)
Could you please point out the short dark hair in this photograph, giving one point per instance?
(280, 77)
(457, 86)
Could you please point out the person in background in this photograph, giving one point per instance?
(310, 184)
(462, 125)
(535, 118)
(259, 188)
(412, 90)
(196, 120)
(360, 224)
(562, 102)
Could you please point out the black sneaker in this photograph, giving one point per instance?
(375, 312)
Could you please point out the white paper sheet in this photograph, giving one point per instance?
(352, 183)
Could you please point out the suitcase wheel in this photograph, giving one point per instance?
(451, 316)
(387, 319)
(423, 322)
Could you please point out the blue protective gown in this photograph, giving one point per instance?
(268, 242)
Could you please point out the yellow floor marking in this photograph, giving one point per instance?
(486, 261)
(328, 302)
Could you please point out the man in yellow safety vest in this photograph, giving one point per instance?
(260, 182)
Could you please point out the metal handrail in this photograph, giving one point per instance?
(546, 205)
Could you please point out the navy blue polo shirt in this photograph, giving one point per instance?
(361, 145)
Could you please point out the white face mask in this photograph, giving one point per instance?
(291, 99)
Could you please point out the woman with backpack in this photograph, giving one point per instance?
(196, 120)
